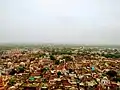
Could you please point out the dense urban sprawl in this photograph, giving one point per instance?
(59, 68)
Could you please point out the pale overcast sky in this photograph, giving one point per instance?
(60, 21)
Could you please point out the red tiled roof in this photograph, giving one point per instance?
(35, 74)
(51, 78)
(60, 67)
(66, 83)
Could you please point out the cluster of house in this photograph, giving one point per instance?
(28, 71)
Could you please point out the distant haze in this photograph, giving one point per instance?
(60, 21)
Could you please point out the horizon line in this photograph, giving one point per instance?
(45, 43)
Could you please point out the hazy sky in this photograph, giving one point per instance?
(60, 21)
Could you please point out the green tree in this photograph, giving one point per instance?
(111, 73)
(67, 58)
(21, 69)
(43, 70)
(12, 81)
(57, 62)
(59, 74)
(52, 57)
